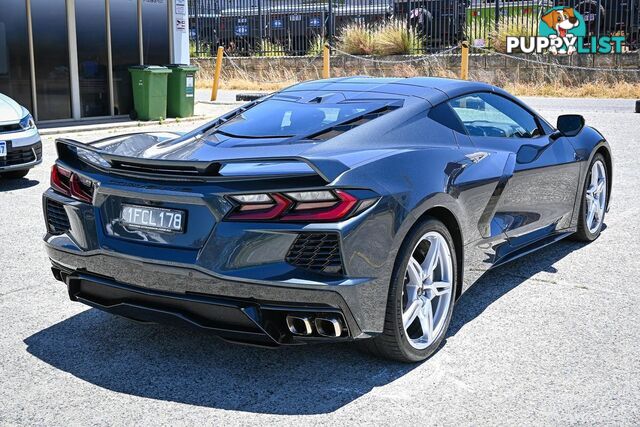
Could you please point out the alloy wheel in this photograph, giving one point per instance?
(428, 290)
(596, 197)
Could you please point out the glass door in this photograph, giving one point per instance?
(91, 36)
(124, 48)
(51, 57)
(15, 70)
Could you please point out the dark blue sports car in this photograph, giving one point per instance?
(334, 210)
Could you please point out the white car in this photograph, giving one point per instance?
(20, 145)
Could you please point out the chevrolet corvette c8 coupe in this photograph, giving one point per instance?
(349, 209)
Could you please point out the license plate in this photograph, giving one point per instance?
(3, 149)
(153, 218)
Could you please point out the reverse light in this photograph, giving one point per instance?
(253, 199)
(71, 184)
(312, 199)
(306, 206)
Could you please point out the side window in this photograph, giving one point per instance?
(486, 114)
(444, 115)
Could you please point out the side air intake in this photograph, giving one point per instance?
(57, 219)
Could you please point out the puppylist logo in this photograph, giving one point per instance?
(562, 30)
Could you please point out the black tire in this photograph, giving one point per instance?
(14, 174)
(583, 234)
(393, 342)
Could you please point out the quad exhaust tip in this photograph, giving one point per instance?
(328, 327)
(299, 325)
(324, 326)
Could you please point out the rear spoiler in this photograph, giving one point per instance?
(74, 152)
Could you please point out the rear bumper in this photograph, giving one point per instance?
(240, 262)
(239, 320)
(144, 290)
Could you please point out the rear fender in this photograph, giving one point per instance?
(459, 180)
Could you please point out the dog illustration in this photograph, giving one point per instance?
(561, 21)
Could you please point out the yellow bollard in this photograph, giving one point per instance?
(326, 62)
(464, 67)
(216, 76)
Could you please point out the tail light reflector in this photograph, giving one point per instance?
(81, 188)
(71, 184)
(257, 211)
(307, 206)
(321, 212)
(61, 180)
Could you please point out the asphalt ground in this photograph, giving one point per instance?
(549, 339)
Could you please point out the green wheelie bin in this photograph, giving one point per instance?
(181, 90)
(149, 84)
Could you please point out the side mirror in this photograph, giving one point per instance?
(570, 124)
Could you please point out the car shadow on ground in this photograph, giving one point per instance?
(498, 282)
(17, 184)
(190, 367)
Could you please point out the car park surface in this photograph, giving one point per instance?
(550, 338)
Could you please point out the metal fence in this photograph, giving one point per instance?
(300, 27)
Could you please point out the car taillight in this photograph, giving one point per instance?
(71, 184)
(306, 206)
(61, 180)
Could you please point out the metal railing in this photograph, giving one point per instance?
(300, 27)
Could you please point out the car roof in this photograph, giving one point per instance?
(432, 89)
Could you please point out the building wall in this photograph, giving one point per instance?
(74, 69)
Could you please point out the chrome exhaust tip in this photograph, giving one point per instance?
(328, 327)
(299, 325)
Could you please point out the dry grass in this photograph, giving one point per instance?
(356, 39)
(271, 49)
(386, 38)
(316, 46)
(244, 84)
(586, 90)
(523, 27)
(392, 38)
(548, 81)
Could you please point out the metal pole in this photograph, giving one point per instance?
(331, 20)
(76, 109)
(260, 25)
(140, 41)
(216, 76)
(107, 9)
(32, 65)
(172, 22)
(195, 14)
(598, 18)
(497, 15)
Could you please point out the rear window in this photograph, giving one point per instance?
(277, 118)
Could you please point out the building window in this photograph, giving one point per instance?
(155, 32)
(91, 35)
(15, 72)
(51, 54)
(124, 48)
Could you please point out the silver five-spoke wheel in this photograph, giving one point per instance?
(427, 290)
(596, 196)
